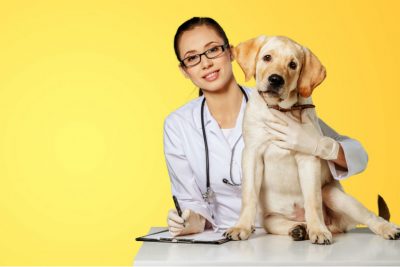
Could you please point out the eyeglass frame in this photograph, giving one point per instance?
(224, 47)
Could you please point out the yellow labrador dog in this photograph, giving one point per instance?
(296, 192)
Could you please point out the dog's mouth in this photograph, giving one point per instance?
(274, 85)
(272, 95)
(272, 91)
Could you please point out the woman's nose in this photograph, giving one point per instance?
(206, 62)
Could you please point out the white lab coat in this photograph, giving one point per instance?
(185, 158)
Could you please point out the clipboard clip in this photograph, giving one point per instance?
(174, 240)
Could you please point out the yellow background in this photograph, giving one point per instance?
(85, 87)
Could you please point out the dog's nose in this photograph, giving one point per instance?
(276, 80)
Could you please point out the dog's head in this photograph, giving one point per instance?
(282, 68)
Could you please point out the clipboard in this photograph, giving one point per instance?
(206, 237)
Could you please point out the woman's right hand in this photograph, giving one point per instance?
(189, 223)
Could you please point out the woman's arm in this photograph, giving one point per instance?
(183, 182)
(352, 157)
(341, 159)
(345, 156)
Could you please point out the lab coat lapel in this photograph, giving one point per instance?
(237, 131)
(213, 130)
(207, 119)
(212, 126)
(209, 122)
(197, 114)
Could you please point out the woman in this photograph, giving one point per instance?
(212, 124)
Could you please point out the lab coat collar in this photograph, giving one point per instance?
(211, 124)
(237, 131)
(197, 113)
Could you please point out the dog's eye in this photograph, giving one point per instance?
(292, 65)
(267, 58)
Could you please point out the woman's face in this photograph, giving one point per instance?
(210, 74)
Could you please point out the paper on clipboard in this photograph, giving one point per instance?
(206, 237)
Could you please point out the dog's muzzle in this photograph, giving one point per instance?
(275, 84)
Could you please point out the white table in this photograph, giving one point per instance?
(358, 247)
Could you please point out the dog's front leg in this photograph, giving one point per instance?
(252, 164)
(310, 181)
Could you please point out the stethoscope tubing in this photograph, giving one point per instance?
(206, 195)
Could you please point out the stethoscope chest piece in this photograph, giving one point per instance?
(209, 195)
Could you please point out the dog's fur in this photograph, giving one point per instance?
(296, 192)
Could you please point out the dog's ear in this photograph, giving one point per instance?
(246, 54)
(312, 74)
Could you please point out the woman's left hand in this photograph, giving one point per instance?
(302, 137)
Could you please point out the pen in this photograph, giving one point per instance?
(178, 208)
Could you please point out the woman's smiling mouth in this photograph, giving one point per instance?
(212, 76)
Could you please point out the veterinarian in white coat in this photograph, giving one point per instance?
(184, 147)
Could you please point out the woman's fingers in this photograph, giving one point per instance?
(282, 116)
(173, 215)
(175, 232)
(186, 214)
(278, 127)
(176, 225)
(281, 144)
(276, 134)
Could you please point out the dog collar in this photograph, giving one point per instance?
(294, 107)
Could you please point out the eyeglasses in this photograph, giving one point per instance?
(211, 53)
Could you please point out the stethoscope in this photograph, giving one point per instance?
(209, 194)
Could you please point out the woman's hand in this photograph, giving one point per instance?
(302, 137)
(189, 223)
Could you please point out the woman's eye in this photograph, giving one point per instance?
(267, 58)
(292, 65)
(214, 49)
(191, 58)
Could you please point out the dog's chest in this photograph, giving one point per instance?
(281, 171)
(280, 189)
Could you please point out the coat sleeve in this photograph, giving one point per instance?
(183, 182)
(355, 155)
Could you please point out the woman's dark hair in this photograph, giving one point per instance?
(195, 22)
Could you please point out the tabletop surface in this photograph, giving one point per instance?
(357, 247)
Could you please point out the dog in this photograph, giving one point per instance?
(295, 192)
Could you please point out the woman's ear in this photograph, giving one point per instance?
(183, 71)
(231, 49)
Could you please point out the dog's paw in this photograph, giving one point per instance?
(320, 236)
(299, 232)
(389, 231)
(238, 233)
